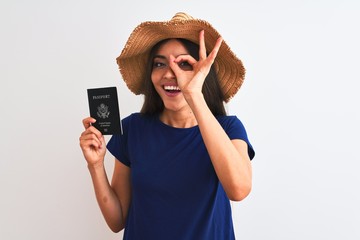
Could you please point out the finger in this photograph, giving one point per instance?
(89, 144)
(215, 50)
(202, 47)
(102, 140)
(90, 140)
(92, 131)
(173, 65)
(90, 135)
(185, 58)
(88, 121)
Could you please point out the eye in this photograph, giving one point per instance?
(158, 64)
(185, 66)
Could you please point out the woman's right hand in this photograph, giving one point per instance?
(92, 143)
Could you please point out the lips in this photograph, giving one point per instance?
(171, 90)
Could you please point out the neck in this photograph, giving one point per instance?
(178, 119)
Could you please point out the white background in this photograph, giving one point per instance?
(299, 104)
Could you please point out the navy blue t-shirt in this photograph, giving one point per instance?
(175, 191)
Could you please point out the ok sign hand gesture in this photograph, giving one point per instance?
(191, 81)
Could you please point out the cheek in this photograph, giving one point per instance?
(152, 77)
(155, 77)
(155, 81)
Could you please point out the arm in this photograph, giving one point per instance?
(113, 199)
(229, 158)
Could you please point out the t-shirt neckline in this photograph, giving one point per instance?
(157, 118)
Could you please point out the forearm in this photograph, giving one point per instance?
(232, 167)
(107, 199)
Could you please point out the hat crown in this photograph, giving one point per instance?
(136, 52)
(181, 16)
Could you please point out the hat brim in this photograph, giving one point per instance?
(135, 55)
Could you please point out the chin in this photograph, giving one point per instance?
(175, 106)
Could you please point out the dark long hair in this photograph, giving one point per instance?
(211, 90)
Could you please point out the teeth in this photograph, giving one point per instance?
(172, 88)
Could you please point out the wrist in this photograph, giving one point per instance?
(195, 100)
(194, 97)
(94, 167)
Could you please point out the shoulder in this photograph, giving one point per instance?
(137, 121)
(235, 129)
(135, 118)
(131, 117)
(229, 121)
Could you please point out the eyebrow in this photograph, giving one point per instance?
(159, 56)
(163, 57)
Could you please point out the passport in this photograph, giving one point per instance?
(104, 107)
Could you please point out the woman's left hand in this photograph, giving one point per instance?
(190, 81)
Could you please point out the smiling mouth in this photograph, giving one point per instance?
(172, 89)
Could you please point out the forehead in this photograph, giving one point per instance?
(172, 46)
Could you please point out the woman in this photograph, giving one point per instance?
(181, 159)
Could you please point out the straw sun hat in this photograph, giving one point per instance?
(134, 57)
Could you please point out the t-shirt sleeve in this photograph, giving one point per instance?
(236, 130)
(117, 146)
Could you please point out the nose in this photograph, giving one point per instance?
(169, 73)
